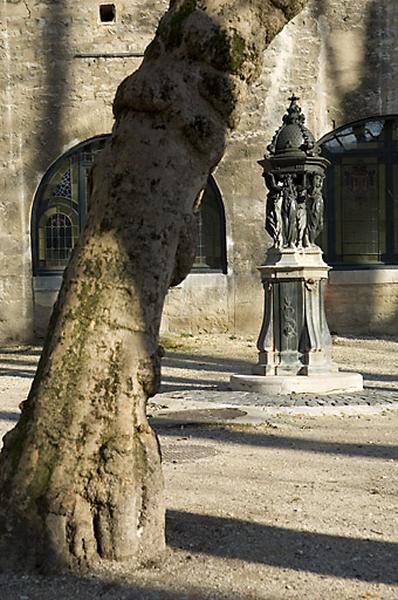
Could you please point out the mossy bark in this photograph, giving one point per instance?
(81, 481)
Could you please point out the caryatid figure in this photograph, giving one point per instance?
(289, 213)
(315, 208)
(273, 221)
(301, 218)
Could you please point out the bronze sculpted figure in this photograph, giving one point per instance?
(315, 208)
(273, 221)
(289, 213)
(294, 215)
(301, 217)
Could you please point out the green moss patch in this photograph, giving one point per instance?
(171, 31)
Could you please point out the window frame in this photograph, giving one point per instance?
(37, 215)
(386, 156)
(39, 212)
(57, 209)
(198, 268)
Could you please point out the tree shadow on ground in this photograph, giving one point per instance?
(9, 415)
(18, 362)
(72, 588)
(173, 384)
(25, 351)
(380, 388)
(270, 440)
(204, 362)
(17, 373)
(376, 376)
(24, 367)
(339, 556)
(200, 363)
(225, 364)
(167, 388)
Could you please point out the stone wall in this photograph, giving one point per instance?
(53, 98)
(363, 301)
(339, 56)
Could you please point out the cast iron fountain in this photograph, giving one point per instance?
(294, 345)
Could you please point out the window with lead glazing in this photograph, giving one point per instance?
(59, 237)
(60, 207)
(361, 192)
(211, 250)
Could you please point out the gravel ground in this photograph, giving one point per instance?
(296, 507)
(206, 362)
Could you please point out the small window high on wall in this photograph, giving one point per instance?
(361, 193)
(60, 208)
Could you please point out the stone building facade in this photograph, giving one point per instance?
(60, 65)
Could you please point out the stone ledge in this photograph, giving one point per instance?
(301, 384)
(364, 276)
(47, 283)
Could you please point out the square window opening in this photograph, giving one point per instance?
(107, 13)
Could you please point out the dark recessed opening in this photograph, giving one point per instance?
(107, 13)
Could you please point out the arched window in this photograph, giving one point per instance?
(60, 208)
(361, 193)
(211, 254)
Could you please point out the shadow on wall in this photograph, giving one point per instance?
(55, 64)
(376, 89)
(48, 139)
(362, 64)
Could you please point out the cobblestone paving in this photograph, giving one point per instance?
(370, 396)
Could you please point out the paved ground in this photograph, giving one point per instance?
(196, 374)
(297, 500)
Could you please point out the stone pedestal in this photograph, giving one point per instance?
(294, 337)
(334, 383)
(294, 345)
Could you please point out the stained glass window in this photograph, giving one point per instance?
(361, 193)
(60, 209)
(64, 188)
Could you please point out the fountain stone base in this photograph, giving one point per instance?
(294, 345)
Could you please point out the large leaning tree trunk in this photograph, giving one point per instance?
(81, 481)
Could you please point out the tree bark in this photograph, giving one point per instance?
(81, 481)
